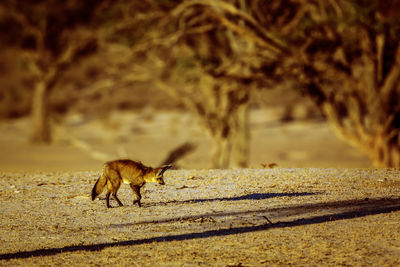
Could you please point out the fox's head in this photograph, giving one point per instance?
(159, 174)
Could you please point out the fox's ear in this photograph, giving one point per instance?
(164, 168)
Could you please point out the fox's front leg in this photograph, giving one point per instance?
(136, 190)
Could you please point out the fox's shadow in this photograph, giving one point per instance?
(254, 196)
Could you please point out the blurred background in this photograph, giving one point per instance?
(199, 83)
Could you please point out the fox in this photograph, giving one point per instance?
(134, 173)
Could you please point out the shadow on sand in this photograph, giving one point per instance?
(255, 196)
(355, 208)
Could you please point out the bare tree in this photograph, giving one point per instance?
(51, 36)
(211, 55)
(345, 54)
(222, 109)
(349, 62)
(206, 66)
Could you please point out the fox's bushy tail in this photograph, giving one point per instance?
(99, 186)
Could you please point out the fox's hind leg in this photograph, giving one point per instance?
(112, 188)
(115, 185)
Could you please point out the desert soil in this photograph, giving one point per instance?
(149, 137)
(244, 217)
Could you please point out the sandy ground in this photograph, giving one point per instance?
(346, 214)
(246, 217)
(149, 136)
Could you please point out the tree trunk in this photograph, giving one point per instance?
(241, 137)
(222, 147)
(379, 141)
(384, 151)
(40, 114)
(231, 141)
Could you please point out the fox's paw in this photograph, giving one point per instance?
(138, 202)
